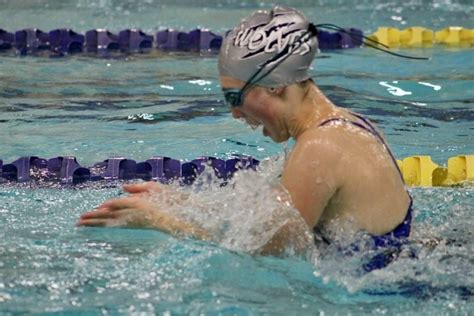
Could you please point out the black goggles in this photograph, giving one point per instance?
(234, 97)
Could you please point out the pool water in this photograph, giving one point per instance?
(138, 106)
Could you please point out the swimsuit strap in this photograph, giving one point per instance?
(369, 128)
(403, 229)
(398, 235)
(391, 241)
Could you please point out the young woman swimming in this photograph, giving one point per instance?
(340, 168)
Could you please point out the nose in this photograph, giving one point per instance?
(236, 113)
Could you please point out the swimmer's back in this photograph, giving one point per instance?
(370, 191)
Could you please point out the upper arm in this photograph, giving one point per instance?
(311, 174)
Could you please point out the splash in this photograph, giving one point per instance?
(435, 264)
(242, 214)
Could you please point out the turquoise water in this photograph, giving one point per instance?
(48, 266)
(140, 106)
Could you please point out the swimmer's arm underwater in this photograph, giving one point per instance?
(291, 238)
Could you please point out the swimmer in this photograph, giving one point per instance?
(340, 168)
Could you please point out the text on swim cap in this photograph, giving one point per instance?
(267, 39)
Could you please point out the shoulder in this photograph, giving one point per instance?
(325, 153)
(311, 173)
(325, 143)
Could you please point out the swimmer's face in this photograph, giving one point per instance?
(257, 107)
(235, 92)
(234, 97)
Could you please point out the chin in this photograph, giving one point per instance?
(276, 138)
(280, 139)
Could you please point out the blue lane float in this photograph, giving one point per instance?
(28, 41)
(66, 41)
(339, 40)
(135, 41)
(101, 40)
(66, 169)
(6, 40)
(194, 41)
(61, 42)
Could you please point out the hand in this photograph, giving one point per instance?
(153, 188)
(139, 211)
(145, 187)
(136, 211)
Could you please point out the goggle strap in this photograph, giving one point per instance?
(281, 56)
(366, 41)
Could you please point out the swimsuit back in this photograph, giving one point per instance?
(397, 237)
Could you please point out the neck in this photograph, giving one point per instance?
(313, 108)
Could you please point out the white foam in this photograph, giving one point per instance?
(244, 214)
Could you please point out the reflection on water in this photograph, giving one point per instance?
(396, 91)
(434, 86)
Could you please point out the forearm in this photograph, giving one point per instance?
(169, 222)
(277, 244)
(178, 227)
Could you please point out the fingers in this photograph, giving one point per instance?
(141, 187)
(101, 218)
(107, 212)
(92, 222)
(97, 218)
(118, 204)
(122, 218)
(98, 214)
(136, 187)
(120, 212)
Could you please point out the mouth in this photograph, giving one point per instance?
(253, 125)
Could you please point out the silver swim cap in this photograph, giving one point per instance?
(263, 36)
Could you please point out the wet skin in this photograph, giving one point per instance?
(335, 172)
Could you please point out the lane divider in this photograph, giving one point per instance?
(65, 41)
(66, 169)
(102, 42)
(416, 170)
(453, 36)
(422, 171)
